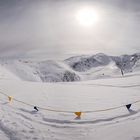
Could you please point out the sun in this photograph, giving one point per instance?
(87, 17)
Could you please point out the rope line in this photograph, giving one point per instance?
(47, 109)
(65, 111)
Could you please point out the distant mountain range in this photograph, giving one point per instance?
(84, 67)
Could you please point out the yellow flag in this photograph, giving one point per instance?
(78, 114)
(9, 98)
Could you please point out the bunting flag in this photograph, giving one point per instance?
(9, 98)
(128, 106)
(78, 114)
(36, 108)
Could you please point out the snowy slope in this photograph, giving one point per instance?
(6, 74)
(84, 63)
(45, 71)
(78, 68)
(21, 122)
(51, 71)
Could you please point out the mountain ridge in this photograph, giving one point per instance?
(76, 68)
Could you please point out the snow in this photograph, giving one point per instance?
(20, 121)
(78, 68)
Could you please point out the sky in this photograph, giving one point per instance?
(50, 29)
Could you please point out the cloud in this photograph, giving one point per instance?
(32, 27)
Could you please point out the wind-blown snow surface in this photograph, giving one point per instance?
(22, 122)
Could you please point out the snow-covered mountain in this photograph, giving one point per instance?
(85, 63)
(84, 67)
(19, 120)
(45, 71)
(57, 103)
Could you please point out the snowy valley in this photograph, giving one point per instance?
(58, 89)
(78, 68)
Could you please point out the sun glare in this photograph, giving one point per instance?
(87, 17)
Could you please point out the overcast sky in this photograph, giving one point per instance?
(50, 28)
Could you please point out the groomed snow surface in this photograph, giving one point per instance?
(19, 121)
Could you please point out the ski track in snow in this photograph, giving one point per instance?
(12, 119)
(28, 131)
(21, 122)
